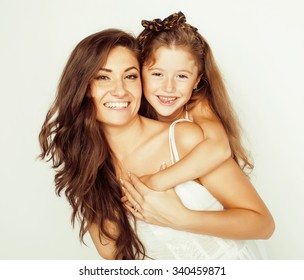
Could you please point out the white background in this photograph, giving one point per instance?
(259, 47)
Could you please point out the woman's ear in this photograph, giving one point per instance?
(89, 92)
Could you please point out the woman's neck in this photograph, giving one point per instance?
(123, 140)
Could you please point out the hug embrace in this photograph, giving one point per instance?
(146, 147)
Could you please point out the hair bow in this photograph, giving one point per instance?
(167, 23)
(156, 25)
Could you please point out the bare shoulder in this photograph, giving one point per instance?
(213, 129)
(154, 124)
(104, 246)
(154, 128)
(208, 121)
(202, 111)
(187, 136)
(189, 131)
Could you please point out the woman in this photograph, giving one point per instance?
(94, 136)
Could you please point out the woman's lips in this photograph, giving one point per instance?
(117, 105)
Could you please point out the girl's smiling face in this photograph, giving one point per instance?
(169, 82)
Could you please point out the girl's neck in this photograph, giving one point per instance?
(176, 116)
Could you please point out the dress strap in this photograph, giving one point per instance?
(173, 150)
(187, 114)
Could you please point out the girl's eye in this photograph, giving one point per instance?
(157, 74)
(101, 77)
(182, 76)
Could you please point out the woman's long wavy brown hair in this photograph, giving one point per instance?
(73, 140)
(211, 86)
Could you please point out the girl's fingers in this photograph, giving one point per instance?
(163, 166)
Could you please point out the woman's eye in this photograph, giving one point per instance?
(101, 77)
(132, 76)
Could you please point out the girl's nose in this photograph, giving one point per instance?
(169, 85)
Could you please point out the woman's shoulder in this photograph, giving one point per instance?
(187, 136)
(155, 129)
(187, 128)
(154, 124)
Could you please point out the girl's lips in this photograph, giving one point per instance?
(117, 105)
(165, 100)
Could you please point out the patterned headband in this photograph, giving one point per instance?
(156, 25)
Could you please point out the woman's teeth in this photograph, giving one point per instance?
(116, 105)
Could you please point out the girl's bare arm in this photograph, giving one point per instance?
(209, 153)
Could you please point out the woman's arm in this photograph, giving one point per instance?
(105, 247)
(245, 215)
(206, 155)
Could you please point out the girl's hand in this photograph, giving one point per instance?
(151, 180)
(160, 208)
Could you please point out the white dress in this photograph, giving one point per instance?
(164, 243)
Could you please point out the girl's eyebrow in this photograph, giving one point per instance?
(160, 69)
(126, 70)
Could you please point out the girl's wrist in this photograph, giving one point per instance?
(154, 182)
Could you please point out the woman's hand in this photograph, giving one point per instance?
(160, 208)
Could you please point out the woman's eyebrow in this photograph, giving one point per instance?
(105, 69)
(130, 68)
(126, 70)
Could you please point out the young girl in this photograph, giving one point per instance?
(181, 80)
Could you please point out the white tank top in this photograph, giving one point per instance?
(165, 243)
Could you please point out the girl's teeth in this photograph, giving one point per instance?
(114, 105)
(167, 99)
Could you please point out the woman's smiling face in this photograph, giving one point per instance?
(116, 88)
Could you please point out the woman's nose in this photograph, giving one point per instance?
(119, 89)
